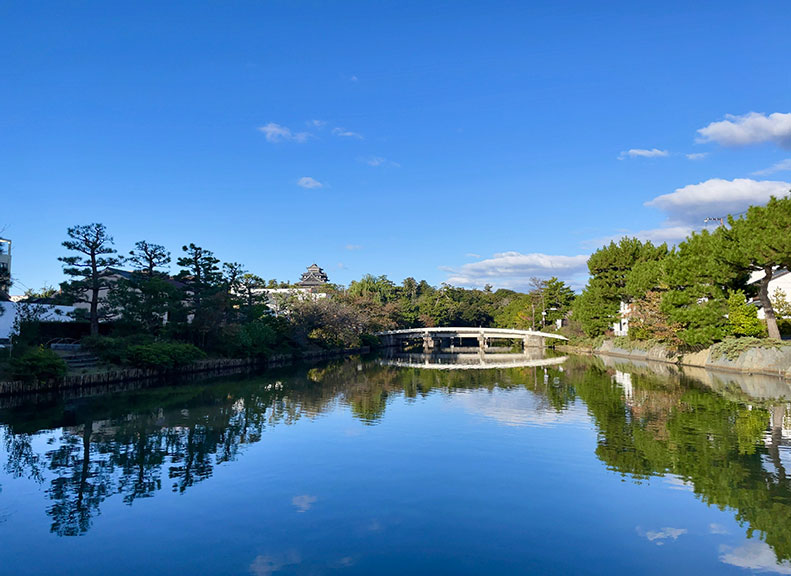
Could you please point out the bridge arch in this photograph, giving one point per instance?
(435, 339)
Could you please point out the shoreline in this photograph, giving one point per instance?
(219, 366)
(763, 361)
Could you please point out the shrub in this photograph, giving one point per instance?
(38, 364)
(732, 348)
(163, 355)
(113, 350)
(742, 317)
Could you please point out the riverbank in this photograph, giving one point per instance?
(216, 366)
(768, 359)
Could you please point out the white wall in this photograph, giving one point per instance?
(47, 313)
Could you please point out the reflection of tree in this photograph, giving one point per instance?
(22, 459)
(134, 444)
(706, 439)
(82, 482)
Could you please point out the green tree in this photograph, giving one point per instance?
(698, 279)
(760, 241)
(742, 317)
(610, 266)
(95, 253)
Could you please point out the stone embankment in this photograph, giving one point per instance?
(209, 367)
(768, 361)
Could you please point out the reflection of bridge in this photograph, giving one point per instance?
(435, 339)
(468, 361)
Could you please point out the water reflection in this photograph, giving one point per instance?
(726, 438)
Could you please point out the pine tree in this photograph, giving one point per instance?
(95, 254)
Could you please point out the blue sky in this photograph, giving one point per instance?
(452, 141)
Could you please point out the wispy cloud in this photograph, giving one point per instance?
(716, 197)
(643, 153)
(514, 270)
(782, 166)
(343, 133)
(279, 133)
(752, 128)
(669, 234)
(316, 123)
(309, 183)
(697, 155)
(377, 161)
(353, 247)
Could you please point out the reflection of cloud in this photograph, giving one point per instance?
(303, 502)
(754, 555)
(266, 564)
(516, 408)
(715, 528)
(660, 536)
(677, 483)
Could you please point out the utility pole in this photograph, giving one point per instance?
(719, 219)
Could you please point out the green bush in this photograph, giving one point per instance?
(742, 317)
(113, 350)
(254, 340)
(732, 348)
(163, 355)
(38, 364)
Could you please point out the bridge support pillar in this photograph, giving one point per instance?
(428, 343)
(532, 342)
(482, 342)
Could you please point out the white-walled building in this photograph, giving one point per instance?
(621, 327)
(42, 312)
(781, 279)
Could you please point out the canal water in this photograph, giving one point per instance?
(404, 466)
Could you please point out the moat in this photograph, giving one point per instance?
(382, 466)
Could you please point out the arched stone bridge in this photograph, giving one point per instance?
(435, 339)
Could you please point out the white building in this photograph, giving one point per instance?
(41, 312)
(5, 268)
(781, 279)
(621, 327)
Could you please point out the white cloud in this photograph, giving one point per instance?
(642, 153)
(669, 234)
(354, 78)
(278, 133)
(472, 255)
(353, 247)
(377, 161)
(782, 166)
(316, 123)
(338, 131)
(514, 270)
(697, 155)
(754, 555)
(716, 197)
(309, 183)
(752, 128)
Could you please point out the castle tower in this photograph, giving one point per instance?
(314, 277)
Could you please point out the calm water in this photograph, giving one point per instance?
(360, 467)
